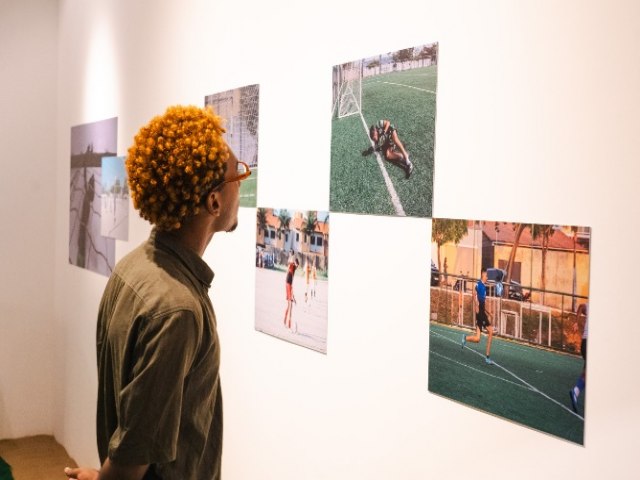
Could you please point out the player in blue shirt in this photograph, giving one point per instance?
(482, 320)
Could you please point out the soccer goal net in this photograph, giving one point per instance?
(240, 108)
(348, 78)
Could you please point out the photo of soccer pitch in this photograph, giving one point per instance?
(509, 321)
(383, 133)
(292, 276)
(240, 108)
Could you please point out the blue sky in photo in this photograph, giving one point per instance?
(112, 168)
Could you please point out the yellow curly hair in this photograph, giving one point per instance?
(174, 161)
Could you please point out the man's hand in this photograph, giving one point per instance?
(82, 473)
(109, 471)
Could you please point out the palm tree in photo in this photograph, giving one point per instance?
(310, 225)
(544, 232)
(519, 230)
(262, 220)
(444, 230)
(284, 220)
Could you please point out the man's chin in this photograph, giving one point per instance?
(233, 227)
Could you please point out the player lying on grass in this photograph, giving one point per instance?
(385, 138)
(482, 321)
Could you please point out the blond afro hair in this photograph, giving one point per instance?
(174, 162)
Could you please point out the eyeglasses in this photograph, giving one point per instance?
(242, 172)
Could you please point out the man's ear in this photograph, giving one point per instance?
(213, 203)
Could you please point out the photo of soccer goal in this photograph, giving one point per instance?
(382, 133)
(240, 108)
(508, 320)
(292, 274)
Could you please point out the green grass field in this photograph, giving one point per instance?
(408, 100)
(249, 189)
(527, 385)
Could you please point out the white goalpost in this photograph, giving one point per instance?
(349, 80)
(240, 109)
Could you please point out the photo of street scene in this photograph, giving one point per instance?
(292, 274)
(508, 320)
(240, 109)
(383, 133)
(114, 199)
(88, 248)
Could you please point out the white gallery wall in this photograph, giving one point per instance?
(537, 121)
(28, 76)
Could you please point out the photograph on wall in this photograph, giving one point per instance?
(292, 274)
(508, 320)
(88, 248)
(115, 199)
(383, 133)
(240, 109)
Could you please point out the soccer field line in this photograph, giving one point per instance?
(531, 387)
(395, 200)
(480, 371)
(408, 86)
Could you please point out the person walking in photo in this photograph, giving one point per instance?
(482, 320)
(307, 280)
(314, 275)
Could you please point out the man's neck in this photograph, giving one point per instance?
(193, 236)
